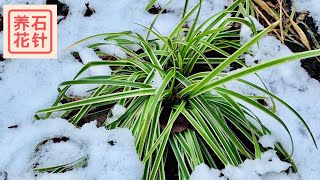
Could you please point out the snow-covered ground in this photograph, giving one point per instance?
(111, 154)
(269, 167)
(27, 85)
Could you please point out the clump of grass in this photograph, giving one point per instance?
(216, 128)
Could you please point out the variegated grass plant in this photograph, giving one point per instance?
(222, 130)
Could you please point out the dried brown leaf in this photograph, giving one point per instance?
(265, 7)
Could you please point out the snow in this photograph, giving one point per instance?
(111, 49)
(267, 141)
(29, 85)
(311, 6)
(156, 80)
(268, 167)
(45, 157)
(88, 55)
(105, 161)
(246, 32)
(117, 111)
(203, 172)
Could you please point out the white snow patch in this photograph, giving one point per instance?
(105, 161)
(156, 80)
(267, 141)
(28, 85)
(88, 55)
(117, 111)
(268, 167)
(112, 49)
(46, 155)
(203, 172)
(246, 31)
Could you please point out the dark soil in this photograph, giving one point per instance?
(308, 25)
(112, 143)
(171, 167)
(1, 29)
(311, 65)
(51, 2)
(77, 57)
(1, 23)
(13, 127)
(54, 140)
(156, 10)
(181, 122)
(62, 9)
(89, 10)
